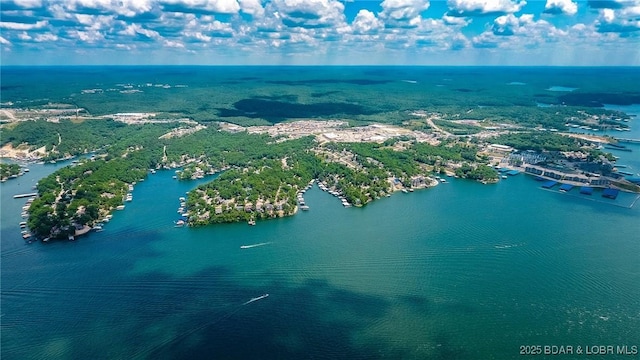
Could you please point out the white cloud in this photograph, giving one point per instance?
(309, 13)
(23, 26)
(87, 36)
(46, 37)
(215, 6)
(135, 30)
(24, 36)
(4, 41)
(198, 36)
(525, 27)
(252, 7)
(403, 10)
(481, 7)
(566, 7)
(624, 20)
(366, 22)
(29, 4)
(173, 44)
(128, 8)
(455, 20)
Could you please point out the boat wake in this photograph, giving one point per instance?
(254, 245)
(507, 246)
(256, 299)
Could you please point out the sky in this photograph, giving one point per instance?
(320, 32)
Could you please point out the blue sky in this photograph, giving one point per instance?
(334, 32)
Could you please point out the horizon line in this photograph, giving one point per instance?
(317, 65)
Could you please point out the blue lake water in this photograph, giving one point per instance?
(562, 88)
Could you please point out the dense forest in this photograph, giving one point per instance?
(7, 170)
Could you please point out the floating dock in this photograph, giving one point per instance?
(586, 190)
(566, 187)
(619, 148)
(513, 172)
(18, 196)
(610, 193)
(549, 184)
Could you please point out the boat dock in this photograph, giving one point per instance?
(628, 140)
(586, 190)
(549, 184)
(566, 187)
(19, 196)
(610, 193)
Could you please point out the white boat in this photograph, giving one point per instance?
(256, 299)
(120, 207)
(254, 245)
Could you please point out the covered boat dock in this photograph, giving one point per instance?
(610, 193)
(586, 190)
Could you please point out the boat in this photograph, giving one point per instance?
(71, 238)
(180, 223)
(504, 176)
(120, 207)
(256, 299)
(251, 222)
(254, 245)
